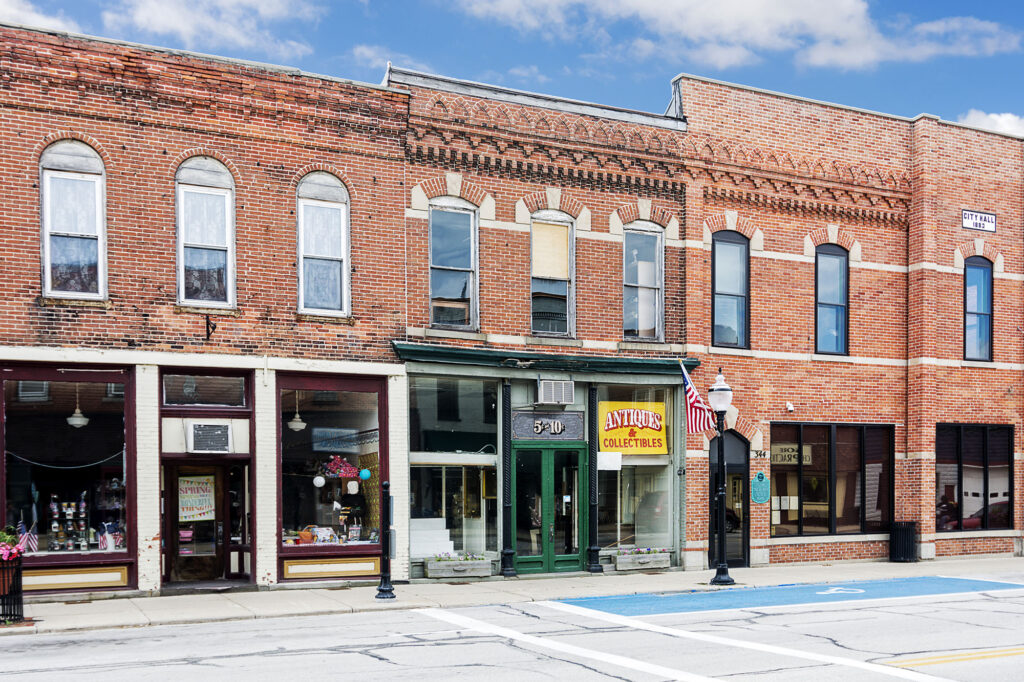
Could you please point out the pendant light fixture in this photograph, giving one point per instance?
(77, 419)
(296, 423)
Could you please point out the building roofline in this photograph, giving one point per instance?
(524, 97)
(232, 61)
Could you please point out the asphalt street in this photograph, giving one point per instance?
(915, 628)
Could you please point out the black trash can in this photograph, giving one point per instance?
(901, 541)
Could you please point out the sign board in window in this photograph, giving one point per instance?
(785, 453)
(196, 498)
(547, 426)
(978, 220)
(632, 428)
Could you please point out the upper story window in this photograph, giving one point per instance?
(642, 280)
(74, 230)
(206, 233)
(978, 309)
(551, 281)
(832, 293)
(730, 308)
(323, 245)
(453, 264)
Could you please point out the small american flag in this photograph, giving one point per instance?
(27, 539)
(699, 417)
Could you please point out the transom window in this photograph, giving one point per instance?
(206, 233)
(730, 309)
(551, 286)
(74, 231)
(323, 245)
(978, 309)
(453, 264)
(832, 292)
(642, 281)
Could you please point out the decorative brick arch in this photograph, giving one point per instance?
(556, 200)
(978, 247)
(644, 209)
(236, 175)
(323, 167)
(452, 185)
(72, 135)
(832, 234)
(731, 220)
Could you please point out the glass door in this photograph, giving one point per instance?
(549, 508)
(737, 494)
(196, 523)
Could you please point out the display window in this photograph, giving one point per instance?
(332, 463)
(454, 509)
(634, 507)
(453, 415)
(66, 472)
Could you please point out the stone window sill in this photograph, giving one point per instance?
(56, 301)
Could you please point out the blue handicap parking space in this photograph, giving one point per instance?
(785, 595)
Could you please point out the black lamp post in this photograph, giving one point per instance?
(719, 398)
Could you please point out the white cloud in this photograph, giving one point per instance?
(528, 73)
(25, 13)
(1011, 124)
(378, 56)
(204, 24)
(725, 33)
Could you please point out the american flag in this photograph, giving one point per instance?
(27, 539)
(699, 417)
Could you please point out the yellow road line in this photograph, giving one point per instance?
(958, 658)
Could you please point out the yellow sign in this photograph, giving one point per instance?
(632, 428)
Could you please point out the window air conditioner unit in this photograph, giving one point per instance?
(208, 436)
(551, 392)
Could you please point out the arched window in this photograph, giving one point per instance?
(323, 245)
(642, 280)
(453, 263)
(74, 221)
(730, 282)
(206, 233)
(832, 313)
(551, 274)
(978, 309)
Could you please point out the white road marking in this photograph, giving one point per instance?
(841, 590)
(725, 641)
(467, 623)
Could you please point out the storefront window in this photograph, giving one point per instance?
(454, 510)
(453, 415)
(187, 389)
(634, 507)
(65, 465)
(330, 467)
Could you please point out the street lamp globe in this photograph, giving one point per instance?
(719, 394)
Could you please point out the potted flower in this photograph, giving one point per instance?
(12, 608)
(465, 565)
(641, 558)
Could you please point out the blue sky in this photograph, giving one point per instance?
(961, 61)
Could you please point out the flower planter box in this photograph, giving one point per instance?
(458, 569)
(639, 562)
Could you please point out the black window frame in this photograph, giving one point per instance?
(832, 427)
(986, 264)
(832, 250)
(987, 429)
(733, 237)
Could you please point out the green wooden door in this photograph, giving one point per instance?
(549, 506)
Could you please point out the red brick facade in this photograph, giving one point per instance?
(787, 173)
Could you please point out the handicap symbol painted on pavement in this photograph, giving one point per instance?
(841, 590)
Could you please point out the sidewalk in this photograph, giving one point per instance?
(203, 608)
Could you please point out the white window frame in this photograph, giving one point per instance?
(557, 218)
(646, 227)
(229, 219)
(457, 205)
(101, 236)
(346, 268)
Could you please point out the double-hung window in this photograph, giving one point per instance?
(832, 293)
(642, 281)
(206, 233)
(978, 309)
(551, 278)
(74, 231)
(453, 265)
(730, 308)
(323, 245)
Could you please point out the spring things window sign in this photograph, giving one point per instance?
(195, 498)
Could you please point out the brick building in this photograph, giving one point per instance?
(257, 283)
